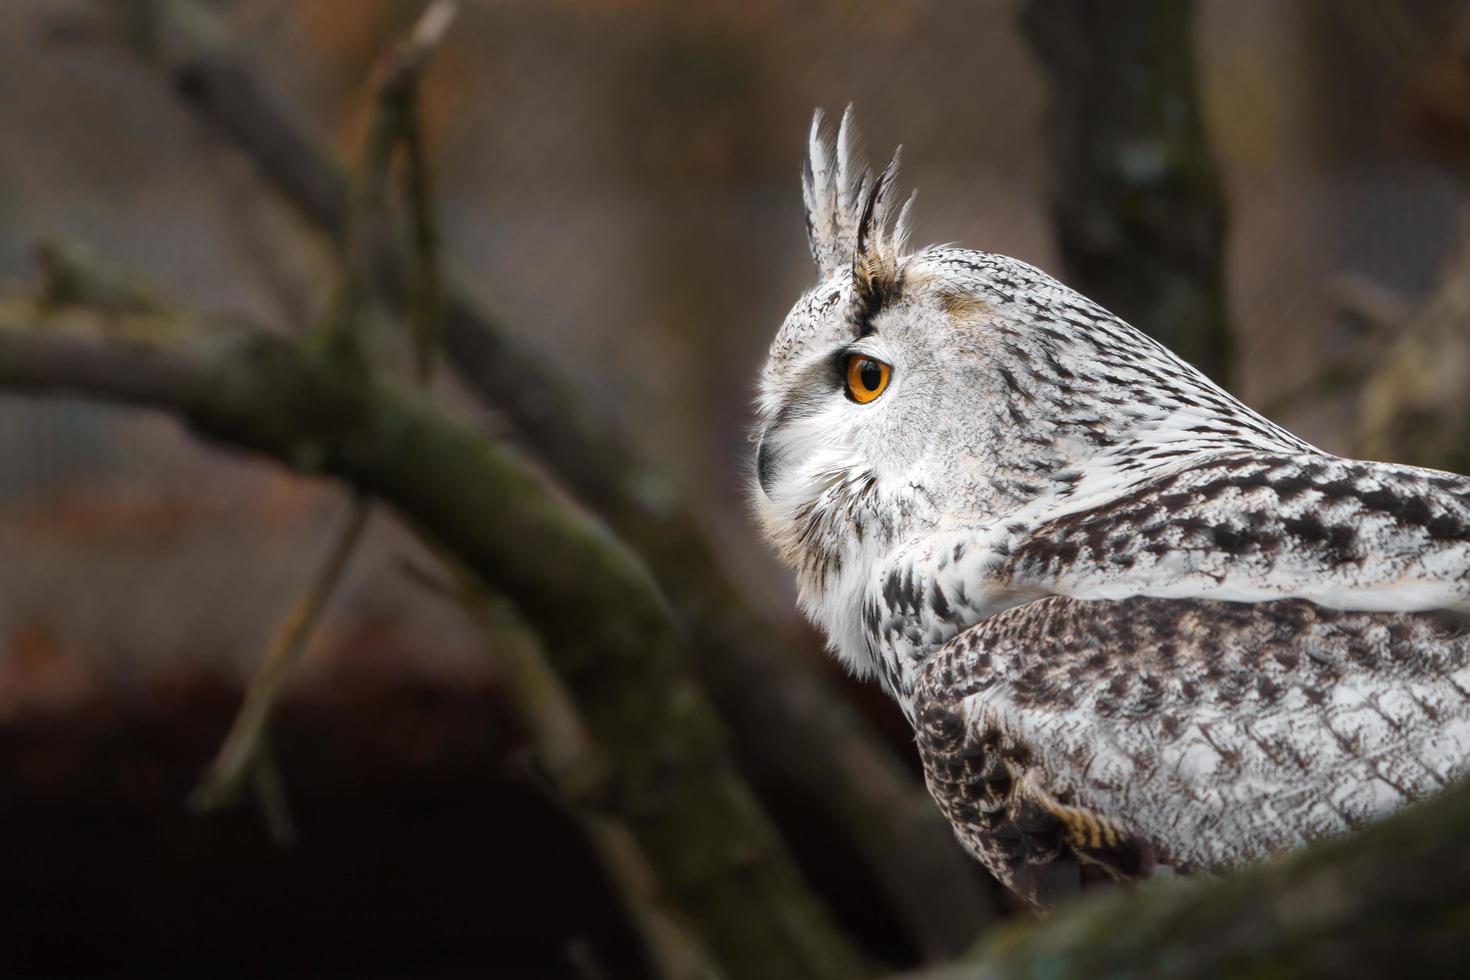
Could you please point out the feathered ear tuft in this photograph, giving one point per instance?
(833, 182)
(847, 211)
(878, 246)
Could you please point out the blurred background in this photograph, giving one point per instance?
(618, 181)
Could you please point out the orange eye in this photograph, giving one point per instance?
(866, 378)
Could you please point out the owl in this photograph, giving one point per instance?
(1138, 628)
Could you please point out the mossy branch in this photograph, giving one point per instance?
(579, 772)
(1392, 900)
(789, 721)
(606, 628)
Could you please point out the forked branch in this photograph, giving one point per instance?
(605, 627)
(771, 698)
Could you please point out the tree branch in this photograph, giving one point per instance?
(426, 288)
(565, 752)
(1391, 900)
(395, 121)
(606, 628)
(244, 744)
(787, 718)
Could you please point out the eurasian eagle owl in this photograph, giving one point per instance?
(1135, 625)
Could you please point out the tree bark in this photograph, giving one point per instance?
(1136, 200)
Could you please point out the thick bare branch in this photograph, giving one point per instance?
(606, 628)
(788, 719)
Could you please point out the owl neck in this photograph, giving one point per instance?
(893, 592)
(926, 594)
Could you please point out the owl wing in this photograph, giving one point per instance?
(1343, 533)
(1072, 742)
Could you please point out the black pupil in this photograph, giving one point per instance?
(870, 374)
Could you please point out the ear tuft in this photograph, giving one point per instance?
(878, 247)
(847, 212)
(834, 181)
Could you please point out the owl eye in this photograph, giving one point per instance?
(866, 378)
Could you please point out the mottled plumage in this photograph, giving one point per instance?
(1136, 625)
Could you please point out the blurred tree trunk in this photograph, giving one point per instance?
(1415, 406)
(1137, 203)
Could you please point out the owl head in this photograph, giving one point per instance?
(870, 371)
(912, 398)
(867, 406)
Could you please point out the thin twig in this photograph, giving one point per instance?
(426, 303)
(270, 795)
(241, 751)
(399, 95)
(243, 755)
(394, 123)
(338, 332)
